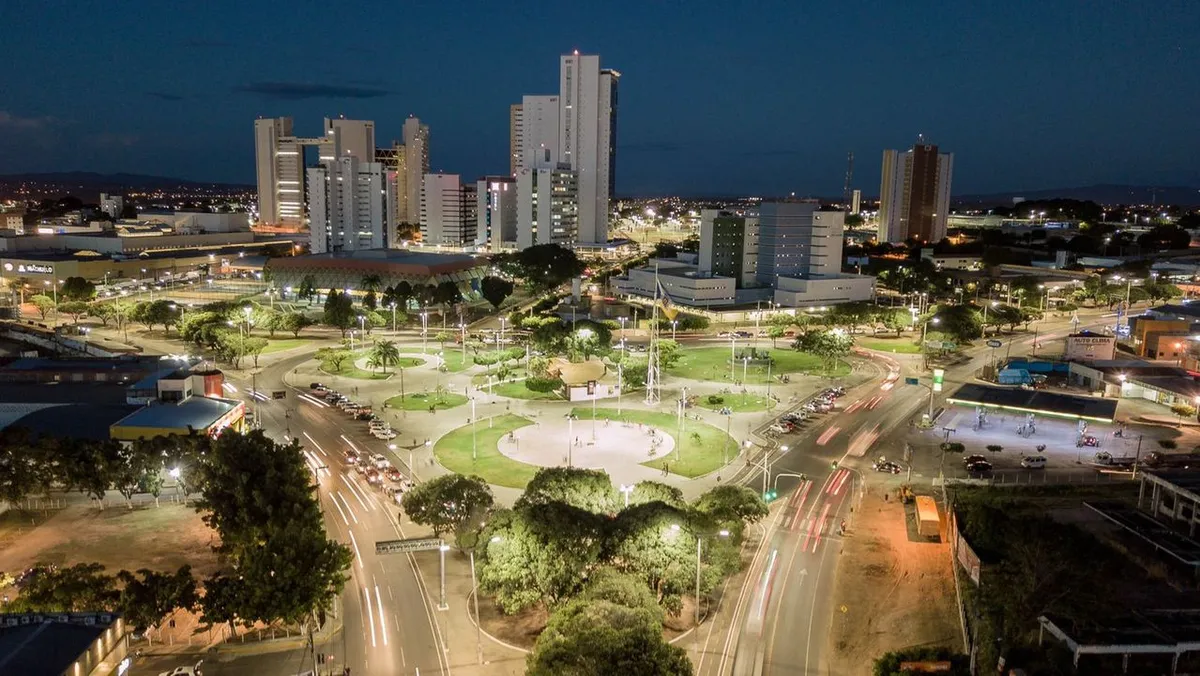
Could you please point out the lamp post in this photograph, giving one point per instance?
(424, 331)
(463, 328)
(674, 323)
(924, 332)
(620, 384)
(626, 490)
(474, 453)
(699, 544)
(570, 437)
(362, 326)
(732, 355)
(393, 306)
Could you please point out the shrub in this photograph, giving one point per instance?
(995, 448)
(537, 384)
(953, 447)
(1168, 443)
(716, 400)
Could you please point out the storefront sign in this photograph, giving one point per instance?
(30, 268)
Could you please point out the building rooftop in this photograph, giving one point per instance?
(46, 647)
(1036, 401)
(401, 261)
(194, 412)
(1181, 310)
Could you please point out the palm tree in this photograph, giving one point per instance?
(370, 282)
(384, 353)
(373, 362)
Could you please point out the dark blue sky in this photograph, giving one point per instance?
(716, 97)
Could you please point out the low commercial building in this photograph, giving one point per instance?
(1089, 346)
(64, 644)
(194, 415)
(1037, 402)
(345, 269)
(1166, 385)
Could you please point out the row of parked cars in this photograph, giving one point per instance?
(821, 403)
(379, 472)
(379, 428)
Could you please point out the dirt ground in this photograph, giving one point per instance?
(159, 538)
(896, 593)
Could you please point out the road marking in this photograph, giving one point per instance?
(339, 508)
(370, 615)
(354, 489)
(821, 527)
(348, 507)
(315, 444)
(351, 443)
(357, 554)
(382, 620)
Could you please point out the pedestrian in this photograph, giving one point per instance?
(666, 471)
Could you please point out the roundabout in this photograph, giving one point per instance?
(552, 442)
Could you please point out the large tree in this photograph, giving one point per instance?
(294, 322)
(83, 587)
(451, 502)
(385, 353)
(495, 290)
(44, 304)
(545, 266)
(587, 489)
(732, 507)
(77, 288)
(339, 311)
(149, 596)
(599, 638)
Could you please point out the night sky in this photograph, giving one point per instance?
(716, 97)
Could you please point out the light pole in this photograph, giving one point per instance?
(626, 490)
(699, 542)
(500, 340)
(463, 327)
(732, 355)
(393, 306)
(570, 437)
(362, 326)
(924, 350)
(474, 453)
(620, 384)
(674, 323)
(424, 331)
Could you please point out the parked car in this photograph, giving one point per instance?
(316, 386)
(968, 459)
(385, 435)
(1034, 462)
(887, 467)
(979, 466)
(193, 670)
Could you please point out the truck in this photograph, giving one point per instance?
(929, 523)
(1155, 460)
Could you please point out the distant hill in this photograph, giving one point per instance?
(87, 185)
(1101, 194)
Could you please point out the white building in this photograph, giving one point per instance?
(914, 194)
(587, 137)
(855, 202)
(348, 205)
(535, 133)
(416, 151)
(279, 163)
(112, 205)
(547, 207)
(395, 180)
(497, 212)
(348, 137)
(448, 211)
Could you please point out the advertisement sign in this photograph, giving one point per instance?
(939, 375)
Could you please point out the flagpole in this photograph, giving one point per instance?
(653, 377)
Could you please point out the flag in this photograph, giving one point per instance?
(664, 301)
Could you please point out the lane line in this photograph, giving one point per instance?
(357, 554)
(315, 444)
(382, 619)
(339, 508)
(354, 490)
(370, 614)
(348, 507)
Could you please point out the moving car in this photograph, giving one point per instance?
(380, 461)
(193, 670)
(1034, 462)
(887, 467)
(979, 466)
(968, 459)
(385, 435)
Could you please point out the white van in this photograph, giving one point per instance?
(1033, 462)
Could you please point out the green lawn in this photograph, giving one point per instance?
(712, 363)
(897, 345)
(421, 401)
(453, 451)
(702, 450)
(453, 358)
(517, 390)
(738, 402)
(281, 344)
(409, 362)
(349, 370)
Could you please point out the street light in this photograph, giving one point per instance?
(674, 323)
(924, 332)
(626, 490)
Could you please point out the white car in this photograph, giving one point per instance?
(380, 425)
(385, 435)
(380, 462)
(1033, 462)
(184, 671)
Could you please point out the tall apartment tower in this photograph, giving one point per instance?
(729, 245)
(348, 137)
(855, 202)
(535, 133)
(516, 127)
(347, 205)
(587, 137)
(279, 164)
(548, 206)
(448, 211)
(914, 194)
(496, 211)
(416, 150)
(395, 180)
(797, 239)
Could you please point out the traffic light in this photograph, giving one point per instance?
(769, 496)
(833, 464)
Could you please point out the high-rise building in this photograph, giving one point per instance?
(395, 178)
(347, 205)
(914, 194)
(855, 202)
(587, 137)
(448, 211)
(496, 211)
(112, 205)
(535, 134)
(547, 207)
(348, 137)
(416, 151)
(796, 239)
(279, 164)
(516, 141)
(729, 245)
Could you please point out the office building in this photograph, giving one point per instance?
(515, 141)
(914, 194)
(347, 137)
(497, 212)
(796, 239)
(855, 202)
(347, 205)
(416, 152)
(535, 133)
(729, 245)
(548, 208)
(448, 211)
(279, 163)
(587, 137)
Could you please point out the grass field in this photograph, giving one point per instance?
(453, 451)
(703, 448)
(738, 402)
(453, 358)
(421, 401)
(712, 363)
(517, 390)
(349, 370)
(897, 345)
(281, 344)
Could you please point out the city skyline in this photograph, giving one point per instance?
(703, 108)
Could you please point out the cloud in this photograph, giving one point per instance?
(650, 147)
(164, 96)
(295, 91)
(12, 122)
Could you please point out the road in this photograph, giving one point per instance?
(388, 609)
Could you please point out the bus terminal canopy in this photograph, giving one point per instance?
(1037, 402)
